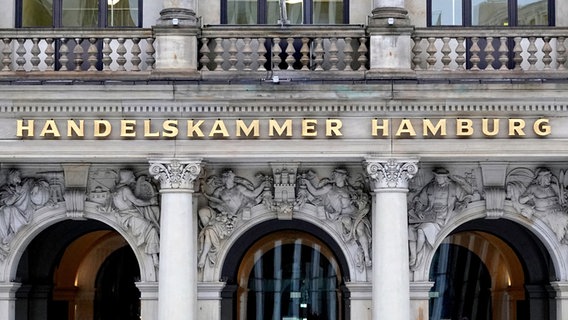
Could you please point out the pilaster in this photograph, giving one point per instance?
(390, 274)
(148, 299)
(177, 296)
(561, 289)
(8, 299)
(420, 299)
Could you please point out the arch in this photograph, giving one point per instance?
(49, 216)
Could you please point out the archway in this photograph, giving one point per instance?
(60, 266)
(491, 269)
(262, 250)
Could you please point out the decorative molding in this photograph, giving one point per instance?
(495, 202)
(390, 173)
(175, 174)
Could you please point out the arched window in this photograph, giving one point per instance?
(284, 11)
(79, 13)
(490, 13)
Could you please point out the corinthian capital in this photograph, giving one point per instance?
(390, 173)
(175, 174)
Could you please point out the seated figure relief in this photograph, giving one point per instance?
(431, 208)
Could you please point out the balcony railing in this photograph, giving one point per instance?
(296, 52)
(530, 51)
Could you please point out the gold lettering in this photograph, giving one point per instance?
(253, 128)
(148, 130)
(102, 129)
(274, 126)
(428, 127)
(464, 127)
(194, 129)
(375, 127)
(170, 128)
(542, 127)
(128, 128)
(333, 128)
(50, 128)
(74, 129)
(516, 127)
(485, 127)
(28, 128)
(219, 128)
(405, 127)
(309, 128)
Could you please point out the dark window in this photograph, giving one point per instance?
(79, 13)
(490, 13)
(284, 11)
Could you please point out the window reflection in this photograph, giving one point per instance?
(446, 12)
(532, 12)
(241, 11)
(328, 11)
(122, 13)
(489, 13)
(80, 13)
(37, 13)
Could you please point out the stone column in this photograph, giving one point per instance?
(8, 300)
(390, 43)
(391, 274)
(176, 36)
(177, 288)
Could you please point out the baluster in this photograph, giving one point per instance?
(517, 50)
(474, 53)
(305, 50)
(489, 51)
(121, 51)
(6, 53)
(78, 54)
(63, 52)
(35, 60)
(204, 51)
(49, 53)
(561, 53)
(107, 60)
(261, 54)
(247, 54)
(348, 54)
(135, 51)
(431, 50)
(290, 50)
(233, 54)
(546, 49)
(460, 52)
(446, 53)
(532, 50)
(319, 54)
(333, 59)
(21, 52)
(276, 50)
(92, 51)
(416, 52)
(504, 53)
(362, 51)
(150, 51)
(218, 54)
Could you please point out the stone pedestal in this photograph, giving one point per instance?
(177, 297)
(390, 276)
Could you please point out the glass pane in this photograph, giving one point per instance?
(294, 12)
(489, 13)
(242, 11)
(80, 13)
(532, 12)
(37, 13)
(122, 13)
(328, 11)
(446, 13)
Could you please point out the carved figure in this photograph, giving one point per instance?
(343, 203)
(541, 195)
(230, 195)
(431, 209)
(137, 215)
(19, 198)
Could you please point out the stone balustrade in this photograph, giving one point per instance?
(523, 50)
(50, 50)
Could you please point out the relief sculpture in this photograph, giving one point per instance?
(228, 197)
(344, 204)
(540, 195)
(432, 207)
